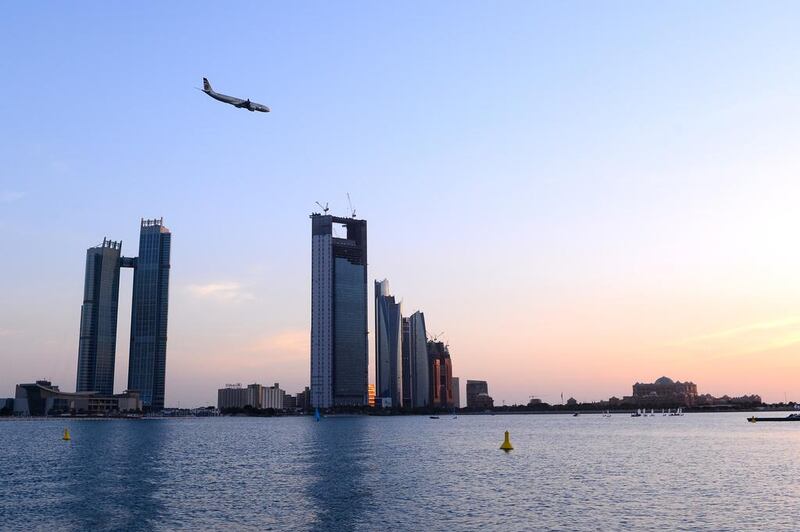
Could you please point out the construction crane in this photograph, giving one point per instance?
(435, 337)
(350, 203)
(324, 208)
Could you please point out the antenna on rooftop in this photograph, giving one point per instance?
(350, 203)
(324, 208)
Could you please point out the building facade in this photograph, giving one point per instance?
(441, 375)
(419, 360)
(303, 399)
(474, 388)
(407, 367)
(42, 398)
(148, 352)
(664, 391)
(273, 397)
(456, 393)
(388, 345)
(231, 396)
(97, 345)
(339, 343)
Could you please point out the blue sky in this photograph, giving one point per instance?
(567, 189)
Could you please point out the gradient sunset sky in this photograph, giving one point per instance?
(580, 195)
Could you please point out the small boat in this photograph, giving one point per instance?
(576, 414)
(637, 414)
(434, 417)
(790, 417)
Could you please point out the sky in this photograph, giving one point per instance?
(578, 195)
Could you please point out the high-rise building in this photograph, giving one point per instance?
(98, 334)
(148, 353)
(371, 395)
(456, 392)
(474, 389)
(441, 375)
(388, 345)
(419, 360)
(339, 349)
(408, 367)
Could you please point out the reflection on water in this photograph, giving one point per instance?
(335, 459)
(698, 472)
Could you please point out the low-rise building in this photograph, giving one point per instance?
(483, 401)
(303, 399)
(42, 398)
(664, 392)
(6, 406)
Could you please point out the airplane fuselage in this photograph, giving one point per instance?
(237, 102)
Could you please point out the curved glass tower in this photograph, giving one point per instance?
(388, 345)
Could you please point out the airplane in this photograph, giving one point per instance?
(236, 102)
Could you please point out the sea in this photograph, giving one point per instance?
(710, 471)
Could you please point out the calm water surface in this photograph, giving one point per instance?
(697, 472)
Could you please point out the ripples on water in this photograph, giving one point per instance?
(697, 472)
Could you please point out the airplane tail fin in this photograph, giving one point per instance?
(206, 85)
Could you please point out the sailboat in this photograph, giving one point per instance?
(638, 413)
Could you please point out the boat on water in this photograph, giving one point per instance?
(576, 414)
(790, 417)
(638, 413)
(434, 417)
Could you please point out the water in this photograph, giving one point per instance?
(697, 472)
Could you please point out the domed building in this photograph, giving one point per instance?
(665, 392)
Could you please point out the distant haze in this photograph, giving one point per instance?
(579, 195)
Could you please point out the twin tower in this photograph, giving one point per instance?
(98, 333)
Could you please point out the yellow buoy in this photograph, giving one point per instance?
(66, 435)
(507, 444)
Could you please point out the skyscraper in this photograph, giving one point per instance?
(388, 345)
(148, 352)
(441, 375)
(408, 367)
(339, 349)
(418, 355)
(98, 333)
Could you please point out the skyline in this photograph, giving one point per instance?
(595, 196)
